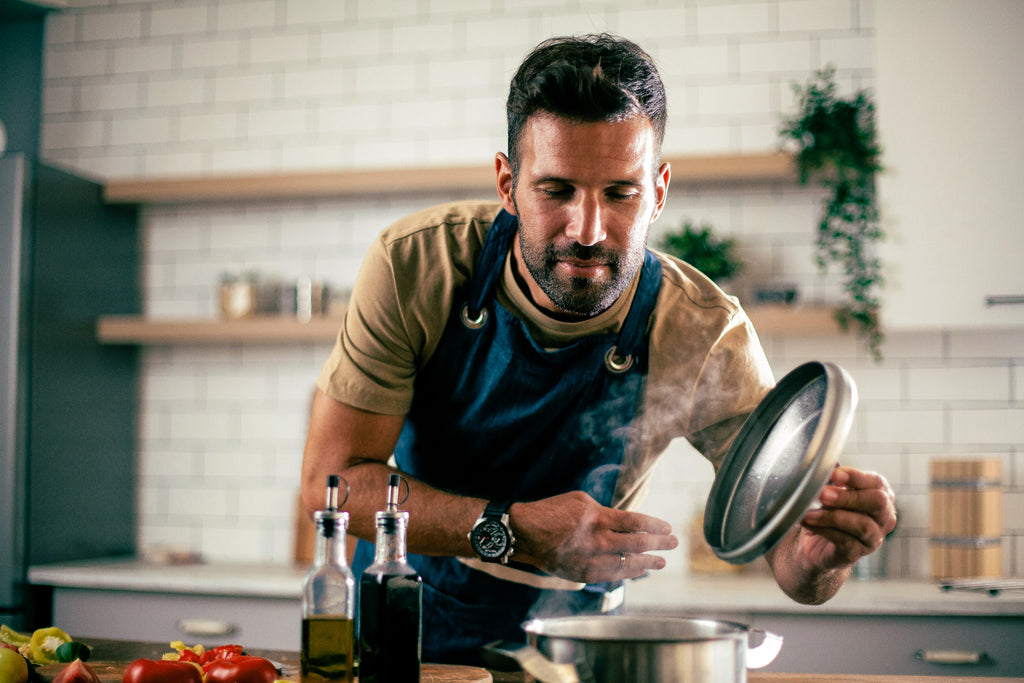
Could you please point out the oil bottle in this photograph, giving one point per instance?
(390, 603)
(328, 597)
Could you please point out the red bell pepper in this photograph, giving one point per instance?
(220, 652)
(162, 671)
(240, 669)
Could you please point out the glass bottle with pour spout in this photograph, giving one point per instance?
(328, 600)
(390, 603)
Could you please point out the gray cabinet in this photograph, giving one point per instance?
(256, 622)
(897, 645)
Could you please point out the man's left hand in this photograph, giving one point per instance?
(858, 510)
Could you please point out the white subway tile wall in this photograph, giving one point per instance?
(137, 88)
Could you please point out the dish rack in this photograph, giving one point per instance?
(992, 586)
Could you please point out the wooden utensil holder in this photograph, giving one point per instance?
(966, 524)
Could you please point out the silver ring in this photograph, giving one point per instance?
(622, 560)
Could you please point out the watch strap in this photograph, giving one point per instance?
(497, 508)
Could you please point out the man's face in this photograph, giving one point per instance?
(585, 197)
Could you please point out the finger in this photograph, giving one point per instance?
(842, 526)
(876, 503)
(631, 565)
(851, 478)
(642, 542)
(633, 522)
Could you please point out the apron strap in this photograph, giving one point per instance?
(633, 335)
(485, 279)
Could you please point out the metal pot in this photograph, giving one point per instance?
(641, 649)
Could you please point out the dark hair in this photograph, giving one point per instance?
(585, 78)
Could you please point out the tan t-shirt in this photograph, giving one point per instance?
(706, 369)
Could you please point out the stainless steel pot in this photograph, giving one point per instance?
(641, 649)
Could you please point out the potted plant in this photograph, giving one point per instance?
(835, 146)
(711, 255)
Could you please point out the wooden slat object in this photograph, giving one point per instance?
(966, 520)
(375, 182)
(113, 329)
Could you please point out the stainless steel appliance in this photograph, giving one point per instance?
(67, 404)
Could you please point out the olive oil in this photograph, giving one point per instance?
(327, 644)
(328, 600)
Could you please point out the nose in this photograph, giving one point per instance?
(586, 226)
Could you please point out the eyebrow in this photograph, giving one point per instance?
(568, 181)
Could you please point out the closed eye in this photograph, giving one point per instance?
(623, 193)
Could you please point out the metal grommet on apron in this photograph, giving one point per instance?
(616, 363)
(473, 322)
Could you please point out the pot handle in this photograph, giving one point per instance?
(533, 662)
(762, 648)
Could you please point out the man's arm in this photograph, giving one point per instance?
(569, 535)
(814, 560)
(356, 444)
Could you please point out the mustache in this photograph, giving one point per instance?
(580, 252)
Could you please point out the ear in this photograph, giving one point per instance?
(661, 188)
(503, 171)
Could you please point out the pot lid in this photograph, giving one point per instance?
(780, 461)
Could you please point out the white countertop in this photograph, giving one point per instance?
(660, 592)
(266, 581)
(744, 594)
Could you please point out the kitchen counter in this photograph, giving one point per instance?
(659, 592)
(110, 657)
(236, 580)
(897, 627)
(743, 593)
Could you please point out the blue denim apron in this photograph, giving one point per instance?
(497, 416)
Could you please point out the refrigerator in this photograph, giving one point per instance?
(68, 403)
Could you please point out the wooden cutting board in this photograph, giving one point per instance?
(113, 672)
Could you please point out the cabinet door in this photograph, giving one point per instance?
(896, 646)
(949, 92)
(270, 623)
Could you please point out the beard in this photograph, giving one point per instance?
(581, 296)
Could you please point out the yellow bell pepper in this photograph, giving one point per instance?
(44, 643)
(11, 637)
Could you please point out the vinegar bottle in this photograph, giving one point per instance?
(390, 603)
(328, 596)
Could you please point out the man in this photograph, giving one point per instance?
(527, 363)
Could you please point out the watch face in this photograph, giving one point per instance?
(490, 539)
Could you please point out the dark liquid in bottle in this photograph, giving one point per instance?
(389, 628)
(327, 644)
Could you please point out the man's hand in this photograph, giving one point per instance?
(574, 537)
(858, 510)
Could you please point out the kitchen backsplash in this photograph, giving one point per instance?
(168, 87)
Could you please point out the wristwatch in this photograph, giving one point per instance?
(491, 536)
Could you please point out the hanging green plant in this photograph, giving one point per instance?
(713, 256)
(836, 147)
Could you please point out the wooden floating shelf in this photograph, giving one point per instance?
(768, 320)
(688, 170)
(115, 329)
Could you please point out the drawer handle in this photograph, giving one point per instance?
(1003, 300)
(951, 656)
(205, 627)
